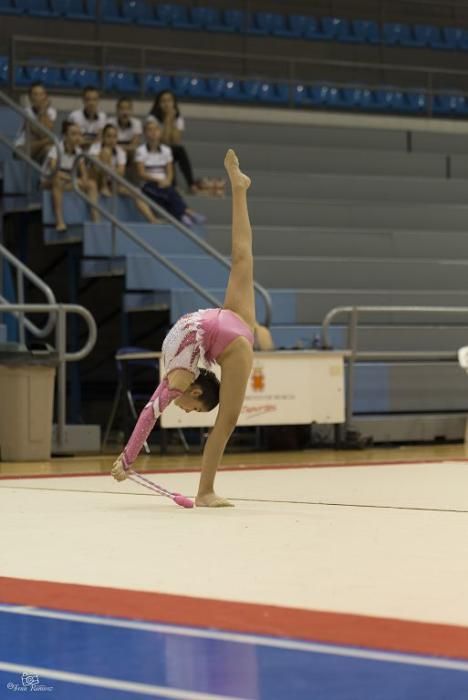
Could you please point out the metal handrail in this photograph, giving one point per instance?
(61, 347)
(29, 121)
(116, 178)
(352, 353)
(23, 271)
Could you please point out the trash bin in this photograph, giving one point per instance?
(26, 404)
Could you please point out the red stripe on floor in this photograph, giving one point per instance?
(334, 628)
(246, 467)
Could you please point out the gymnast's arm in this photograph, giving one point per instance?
(170, 388)
(234, 377)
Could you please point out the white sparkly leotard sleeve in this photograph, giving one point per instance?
(182, 349)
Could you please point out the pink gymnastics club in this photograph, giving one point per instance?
(147, 483)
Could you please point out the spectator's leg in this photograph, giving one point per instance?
(182, 159)
(57, 202)
(175, 204)
(143, 208)
(89, 187)
(160, 195)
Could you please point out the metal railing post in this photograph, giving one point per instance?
(20, 299)
(25, 272)
(114, 215)
(61, 340)
(352, 343)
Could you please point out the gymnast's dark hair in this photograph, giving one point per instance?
(209, 384)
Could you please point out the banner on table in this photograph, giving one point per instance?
(284, 388)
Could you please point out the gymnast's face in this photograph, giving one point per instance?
(190, 400)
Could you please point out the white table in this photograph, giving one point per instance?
(286, 387)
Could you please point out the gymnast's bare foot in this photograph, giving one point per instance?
(238, 179)
(211, 500)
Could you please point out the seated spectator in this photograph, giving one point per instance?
(42, 111)
(129, 128)
(61, 181)
(166, 113)
(155, 169)
(90, 120)
(111, 154)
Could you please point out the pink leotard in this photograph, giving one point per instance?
(201, 337)
(198, 337)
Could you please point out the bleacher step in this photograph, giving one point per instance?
(136, 302)
(102, 268)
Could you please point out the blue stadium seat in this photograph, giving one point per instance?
(216, 88)
(236, 19)
(181, 84)
(289, 26)
(339, 29)
(298, 24)
(122, 81)
(456, 37)
(274, 93)
(206, 89)
(199, 89)
(76, 9)
(400, 102)
(155, 82)
(214, 20)
(417, 102)
(4, 70)
(10, 7)
(81, 77)
(396, 34)
(368, 100)
(51, 77)
(182, 17)
(383, 100)
(315, 31)
(449, 104)
(352, 97)
(164, 13)
(111, 12)
(232, 90)
(260, 24)
(432, 37)
(241, 90)
(250, 89)
(333, 97)
(142, 13)
(300, 96)
(318, 95)
(367, 31)
(23, 76)
(39, 8)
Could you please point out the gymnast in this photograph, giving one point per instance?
(224, 336)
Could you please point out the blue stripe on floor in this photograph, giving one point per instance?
(216, 666)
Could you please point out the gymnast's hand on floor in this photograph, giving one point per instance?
(118, 470)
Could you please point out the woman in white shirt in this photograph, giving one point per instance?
(166, 113)
(42, 111)
(155, 171)
(61, 181)
(107, 151)
(111, 154)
